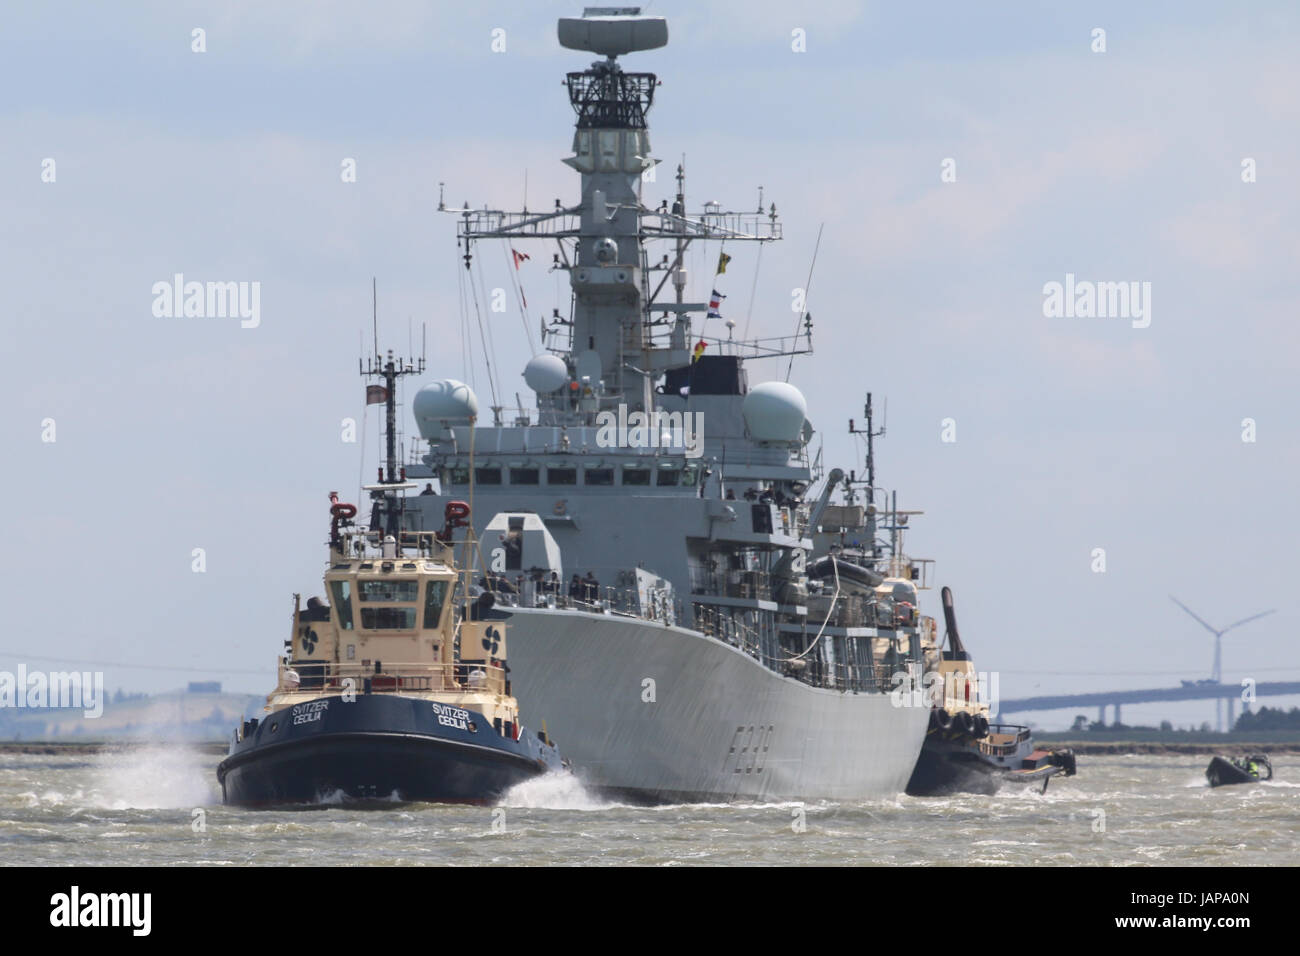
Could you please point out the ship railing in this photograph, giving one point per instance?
(732, 583)
(860, 677)
(727, 629)
(654, 604)
(1017, 733)
(497, 223)
(873, 673)
(711, 224)
(384, 676)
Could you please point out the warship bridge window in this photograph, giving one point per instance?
(388, 618)
(599, 476)
(389, 590)
(458, 475)
(636, 475)
(668, 475)
(562, 476)
(342, 591)
(487, 476)
(435, 596)
(523, 476)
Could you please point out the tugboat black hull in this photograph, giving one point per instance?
(958, 762)
(941, 771)
(376, 748)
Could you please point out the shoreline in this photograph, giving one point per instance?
(1093, 748)
(1090, 748)
(57, 747)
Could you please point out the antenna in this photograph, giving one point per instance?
(807, 287)
(387, 509)
(872, 434)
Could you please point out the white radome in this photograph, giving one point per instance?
(444, 403)
(545, 373)
(775, 411)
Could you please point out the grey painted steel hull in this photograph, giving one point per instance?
(720, 726)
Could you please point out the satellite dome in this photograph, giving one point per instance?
(545, 373)
(444, 403)
(775, 411)
(903, 591)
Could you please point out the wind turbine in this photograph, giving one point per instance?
(1217, 675)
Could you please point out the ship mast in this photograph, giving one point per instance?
(386, 510)
(615, 357)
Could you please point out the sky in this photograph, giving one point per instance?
(1128, 164)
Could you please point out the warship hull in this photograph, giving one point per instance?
(388, 747)
(661, 714)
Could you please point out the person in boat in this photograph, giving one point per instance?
(590, 588)
(428, 489)
(1252, 767)
(576, 587)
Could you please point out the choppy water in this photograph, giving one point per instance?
(138, 807)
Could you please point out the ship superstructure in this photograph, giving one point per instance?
(648, 526)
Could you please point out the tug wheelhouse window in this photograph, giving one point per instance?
(389, 590)
(342, 591)
(388, 618)
(435, 596)
(386, 591)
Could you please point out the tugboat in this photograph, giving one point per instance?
(1223, 771)
(963, 751)
(860, 556)
(398, 688)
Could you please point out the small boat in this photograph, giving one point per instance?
(1223, 771)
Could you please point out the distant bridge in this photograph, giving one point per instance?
(1115, 698)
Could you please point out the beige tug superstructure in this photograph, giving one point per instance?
(391, 627)
(398, 687)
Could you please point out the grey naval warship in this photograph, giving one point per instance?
(647, 529)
